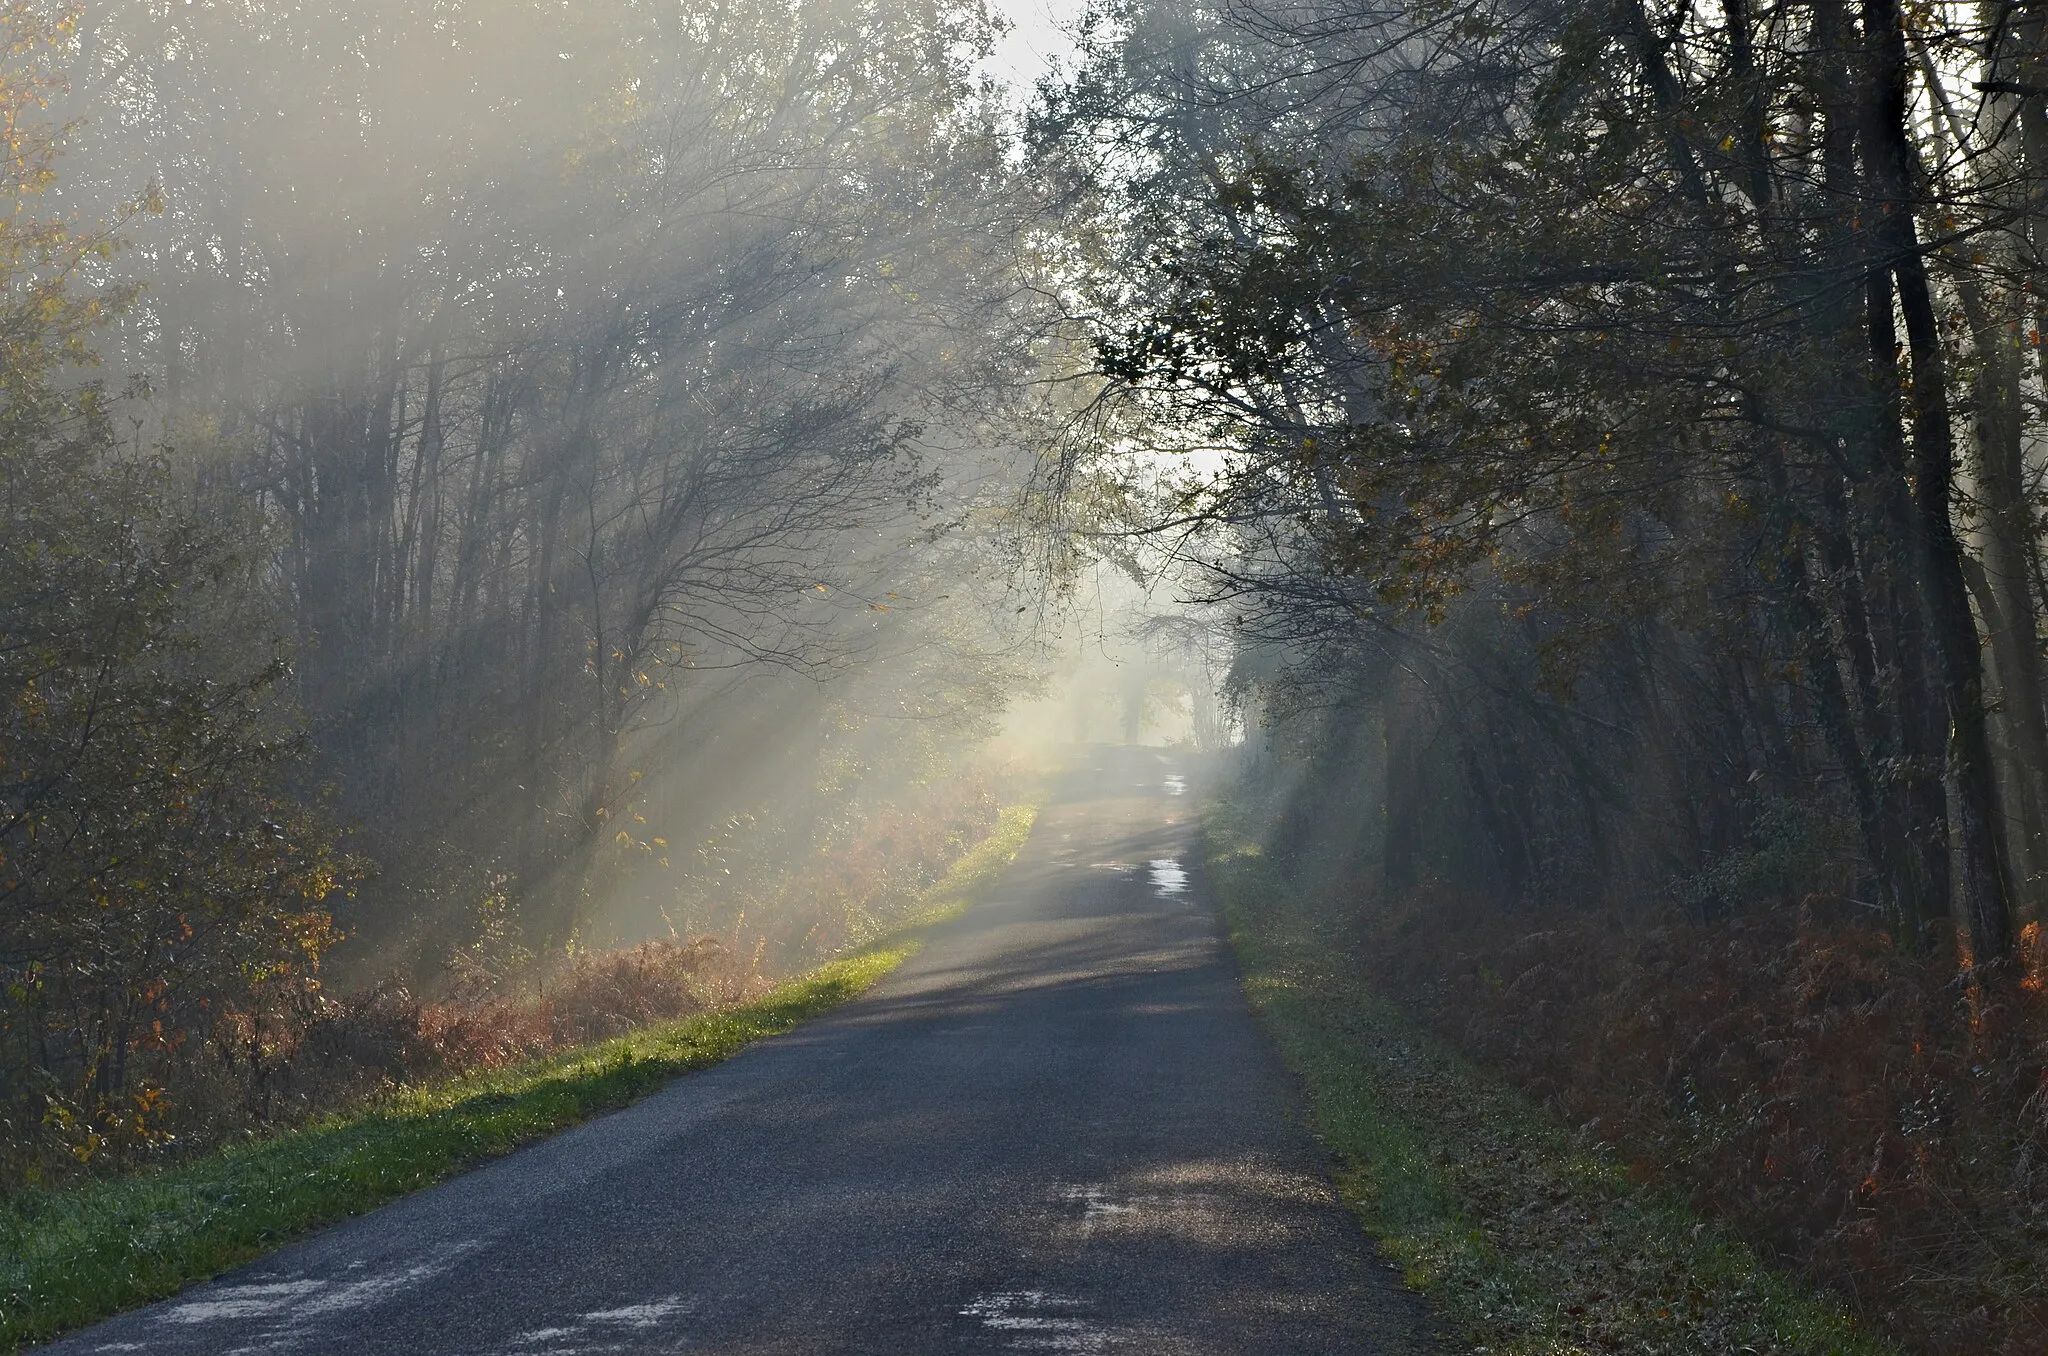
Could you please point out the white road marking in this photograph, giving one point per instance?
(368, 1291)
(306, 1297)
(544, 1335)
(1037, 1320)
(599, 1329)
(647, 1315)
(1095, 1201)
(244, 1301)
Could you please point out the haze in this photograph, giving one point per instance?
(1104, 603)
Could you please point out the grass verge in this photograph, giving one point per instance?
(976, 870)
(1529, 1239)
(70, 1256)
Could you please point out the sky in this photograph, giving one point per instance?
(1035, 39)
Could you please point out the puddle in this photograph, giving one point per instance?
(1114, 868)
(1176, 785)
(1168, 879)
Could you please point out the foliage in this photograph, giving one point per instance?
(68, 1256)
(542, 437)
(1857, 1114)
(1794, 852)
(614, 393)
(1530, 1238)
(156, 873)
(872, 861)
(1581, 398)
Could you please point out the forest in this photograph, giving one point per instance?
(1610, 437)
(474, 485)
(525, 518)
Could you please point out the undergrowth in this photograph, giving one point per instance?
(71, 1255)
(189, 1061)
(1861, 1116)
(1531, 1239)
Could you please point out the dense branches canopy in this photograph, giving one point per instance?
(538, 439)
(1611, 436)
(1561, 382)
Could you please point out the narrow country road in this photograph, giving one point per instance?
(1055, 1130)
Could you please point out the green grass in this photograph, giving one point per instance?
(979, 868)
(1527, 1237)
(73, 1255)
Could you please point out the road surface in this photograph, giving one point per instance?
(1055, 1130)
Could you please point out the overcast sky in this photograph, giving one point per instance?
(1035, 39)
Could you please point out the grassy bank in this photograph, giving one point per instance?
(1528, 1238)
(70, 1256)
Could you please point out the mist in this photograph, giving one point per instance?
(598, 444)
(614, 399)
(532, 523)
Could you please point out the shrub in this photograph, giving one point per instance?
(1861, 1114)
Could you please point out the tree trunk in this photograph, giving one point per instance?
(1889, 155)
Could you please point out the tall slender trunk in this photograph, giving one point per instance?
(1864, 522)
(1892, 564)
(1889, 156)
(1831, 700)
(2002, 587)
(2010, 616)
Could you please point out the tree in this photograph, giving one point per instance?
(1597, 362)
(571, 368)
(153, 868)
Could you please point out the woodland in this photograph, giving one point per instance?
(1610, 437)
(483, 490)
(497, 500)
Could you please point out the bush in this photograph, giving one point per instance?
(1860, 1114)
(155, 872)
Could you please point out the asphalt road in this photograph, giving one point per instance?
(1055, 1130)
